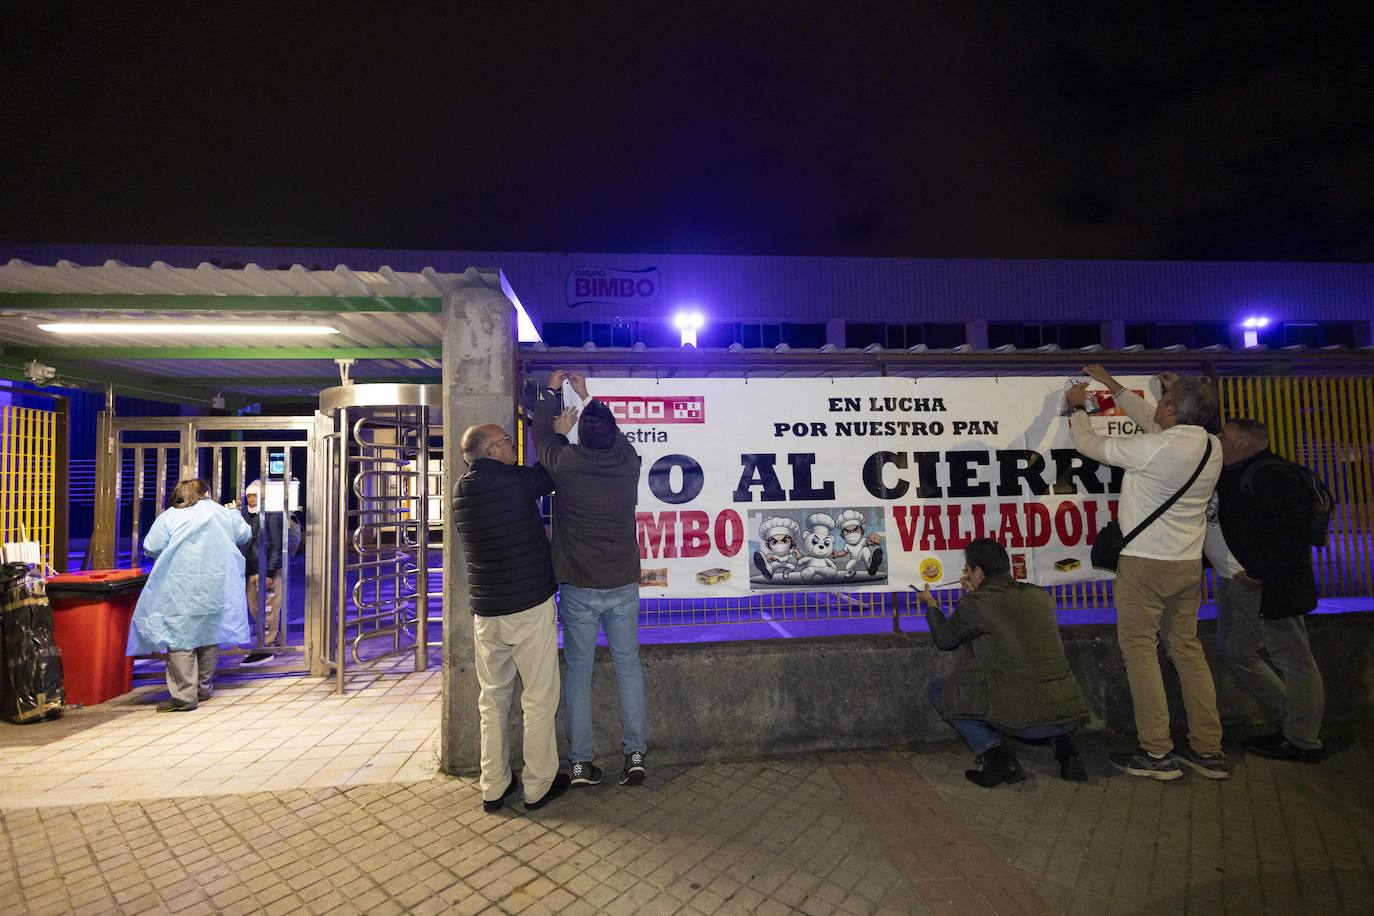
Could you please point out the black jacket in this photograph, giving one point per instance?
(595, 542)
(250, 550)
(1264, 531)
(507, 553)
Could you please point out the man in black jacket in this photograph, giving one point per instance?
(511, 587)
(1262, 506)
(269, 620)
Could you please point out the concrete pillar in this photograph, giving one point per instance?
(479, 387)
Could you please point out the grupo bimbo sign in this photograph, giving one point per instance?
(612, 286)
(856, 484)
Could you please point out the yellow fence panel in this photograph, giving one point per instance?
(1327, 424)
(28, 484)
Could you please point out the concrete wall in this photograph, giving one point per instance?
(755, 699)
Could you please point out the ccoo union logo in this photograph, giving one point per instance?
(612, 286)
(684, 408)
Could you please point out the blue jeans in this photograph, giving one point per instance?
(584, 611)
(980, 736)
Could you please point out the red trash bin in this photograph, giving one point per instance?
(91, 615)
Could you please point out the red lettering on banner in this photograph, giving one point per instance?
(958, 540)
(656, 534)
(695, 541)
(979, 510)
(1009, 531)
(729, 542)
(1037, 525)
(906, 524)
(932, 533)
(1090, 509)
(1068, 523)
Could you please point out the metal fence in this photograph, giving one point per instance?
(1327, 424)
(33, 478)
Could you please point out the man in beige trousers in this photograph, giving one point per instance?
(1158, 579)
(511, 587)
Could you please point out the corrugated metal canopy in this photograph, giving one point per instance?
(388, 321)
(115, 278)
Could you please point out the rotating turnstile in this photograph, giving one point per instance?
(382, 447)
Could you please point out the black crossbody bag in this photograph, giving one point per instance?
(1110, 541)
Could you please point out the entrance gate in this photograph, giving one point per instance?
(382, 497)
(145, 458)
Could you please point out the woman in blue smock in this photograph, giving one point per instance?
(194, 598)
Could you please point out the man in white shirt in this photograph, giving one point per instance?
(1157, 590)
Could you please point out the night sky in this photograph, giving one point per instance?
(1040, 130)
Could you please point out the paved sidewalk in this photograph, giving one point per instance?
(273, 733)
(877, 832)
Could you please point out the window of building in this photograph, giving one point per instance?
(1191, 334)
(609, 334)
(936, 335)
(1028, 335)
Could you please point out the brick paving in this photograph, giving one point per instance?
(878, 832)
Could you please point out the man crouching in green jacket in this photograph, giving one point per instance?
(1011, 676)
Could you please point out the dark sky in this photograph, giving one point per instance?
(1061, 130)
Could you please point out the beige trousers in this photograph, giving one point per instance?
(525, 643)
(273, 606)
(1157, 598)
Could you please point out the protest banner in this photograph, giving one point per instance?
(861, 484)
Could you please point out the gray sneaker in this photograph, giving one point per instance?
(1140, 763)
(1213, 766)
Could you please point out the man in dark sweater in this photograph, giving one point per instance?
(511, 586)
(596, 561)
(1262, 506)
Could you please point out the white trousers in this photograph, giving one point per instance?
(524, 643)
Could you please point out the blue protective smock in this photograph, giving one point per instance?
(194, 596)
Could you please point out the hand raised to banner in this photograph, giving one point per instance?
(579, 385)
(1077, 395)
(565, 421)
(556, 378)
(1100, 375)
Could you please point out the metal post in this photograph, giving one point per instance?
(284, 577)
(260, 548)
(61, 478)
(341, 494)
(422, 540)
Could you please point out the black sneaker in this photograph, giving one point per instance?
(255, 658)
(1140, 763)
(494, 805)
(559, 787)
(1213, 766)
(634, 769)
(1277, 747)
(175, 706)
(585, 773)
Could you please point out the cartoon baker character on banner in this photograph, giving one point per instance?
(779, 555)
(818, 547)
(860, 553)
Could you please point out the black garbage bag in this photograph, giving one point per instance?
(31, 683)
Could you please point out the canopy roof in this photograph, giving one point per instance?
(387, 321)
